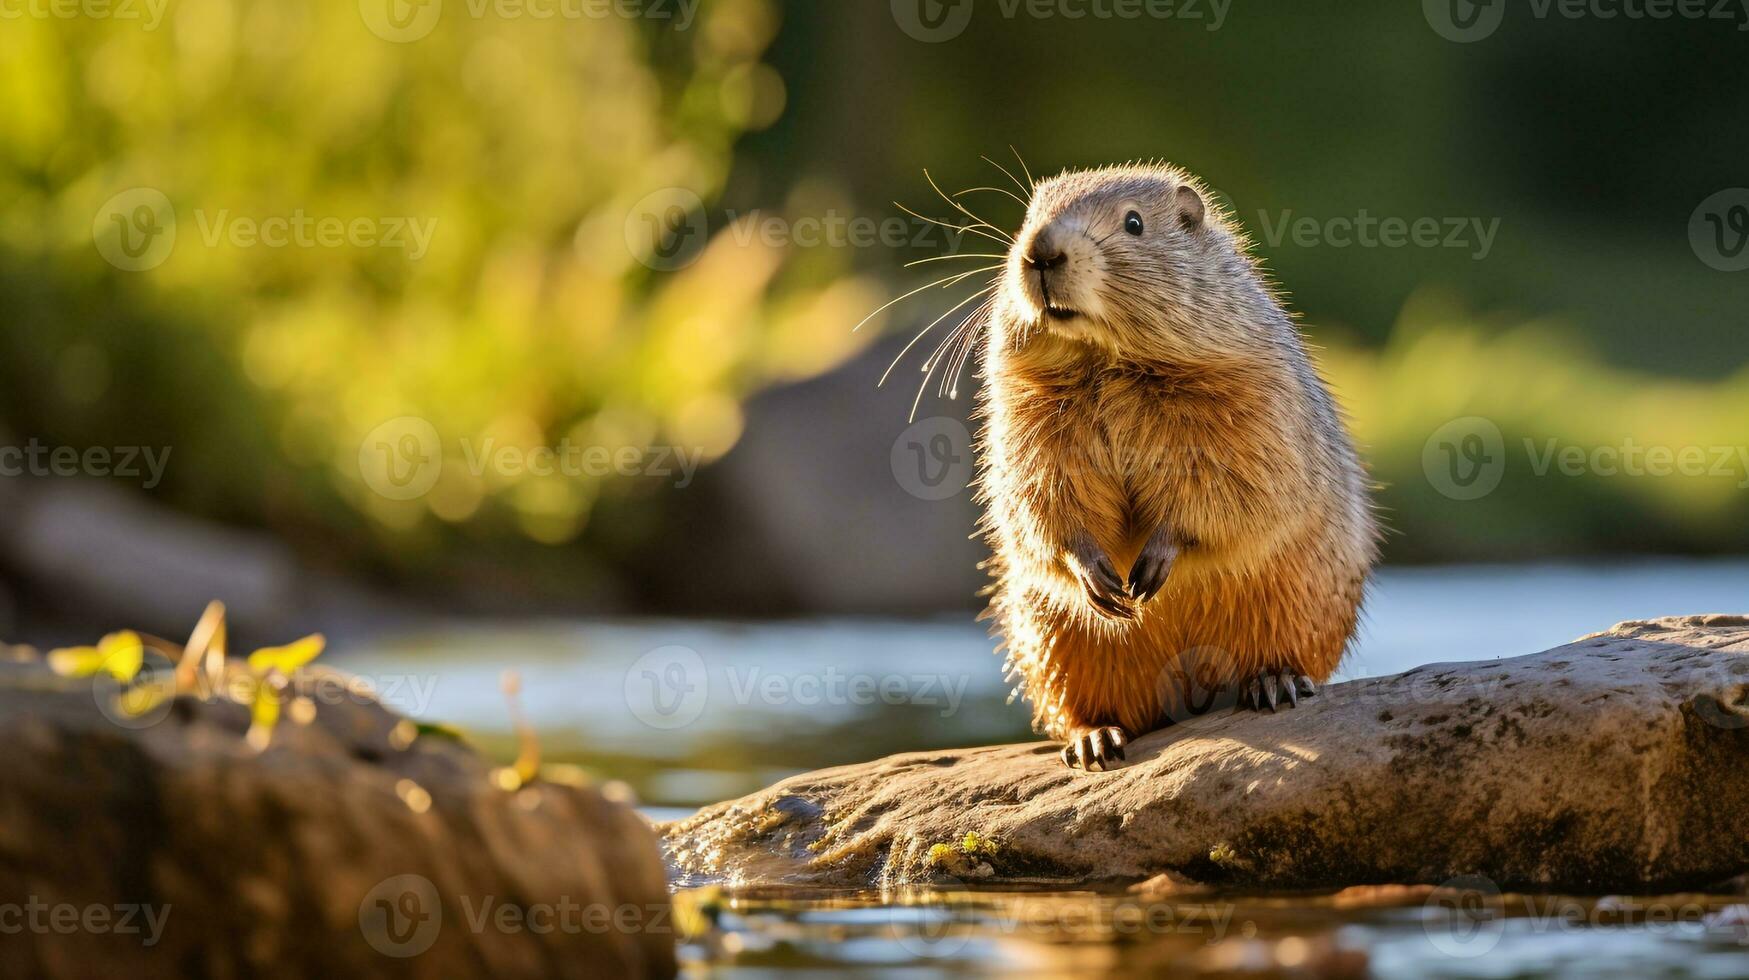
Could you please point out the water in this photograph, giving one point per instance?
(687, 713)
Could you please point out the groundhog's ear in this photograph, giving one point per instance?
(1191, 209)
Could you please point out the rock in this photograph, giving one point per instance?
(1619, 762)
(354, 844)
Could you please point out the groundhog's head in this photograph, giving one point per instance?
(1132, 260)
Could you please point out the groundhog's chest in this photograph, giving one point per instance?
(1194, 458)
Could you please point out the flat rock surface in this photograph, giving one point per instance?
(165, 846)
(1619, 762)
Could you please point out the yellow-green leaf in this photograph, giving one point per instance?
(263, 715)
(289, 657)
(118, 654)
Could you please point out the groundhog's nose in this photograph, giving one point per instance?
(1044, 254)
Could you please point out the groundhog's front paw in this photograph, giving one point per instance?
(1099, 579)
(1094, 745)
(1148, 575)
(1271, 688)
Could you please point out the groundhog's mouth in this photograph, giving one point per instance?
(1060, 314)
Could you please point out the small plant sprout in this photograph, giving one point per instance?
(271, 669)
(526, 768)
(200, 671)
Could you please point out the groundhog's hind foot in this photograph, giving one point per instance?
(1090, 745)
(1272, 688)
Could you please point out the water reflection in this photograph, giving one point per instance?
(1383, 931)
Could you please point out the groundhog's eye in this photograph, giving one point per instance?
(1132, 223)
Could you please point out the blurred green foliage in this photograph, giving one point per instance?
(519, 147)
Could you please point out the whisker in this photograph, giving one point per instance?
(957, 255)
(979, 324)
(1004, 241)
(1010, 175)
(967, 334)
(995, 190)
(930, 365)
(940, 349)
(921, 333)
(943, 283)
(1031, 185)
(961, 208)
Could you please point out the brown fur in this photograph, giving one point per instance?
(1182, 397)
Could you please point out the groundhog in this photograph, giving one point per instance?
(1150, 408)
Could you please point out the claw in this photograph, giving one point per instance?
(1271, 688)
(1095, 745)
(1105, 589)
(1148, 574)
